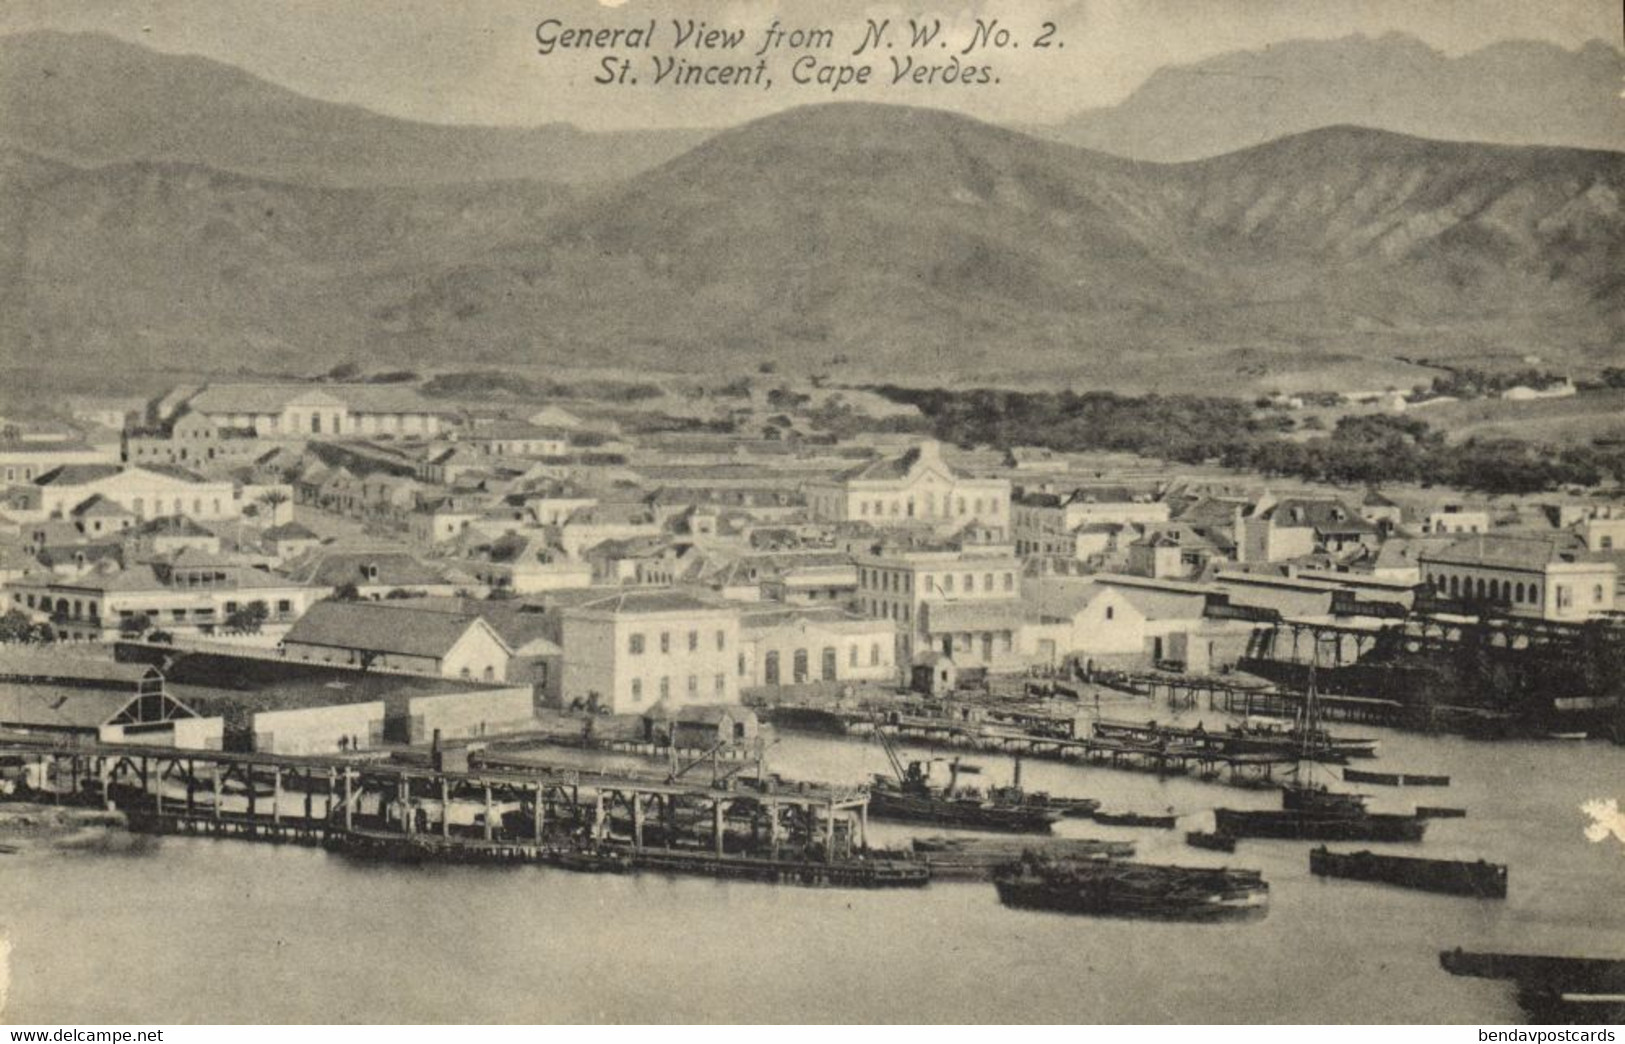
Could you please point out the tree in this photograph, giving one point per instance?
(248, 618)
(344, 371)
(273, 499)
(161, 638)
(135, 625)
(346, 593)
(16, 627)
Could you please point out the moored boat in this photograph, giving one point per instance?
(1479, 879)
(1440, 812)
(1122, 889)
(1293, 825)
(1395, 779)
(908, 794)
(1136, 819)
(1213, 842)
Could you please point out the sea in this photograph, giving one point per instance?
(186, 930)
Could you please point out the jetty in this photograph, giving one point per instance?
(736, 827)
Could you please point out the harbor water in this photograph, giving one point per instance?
(182, 930)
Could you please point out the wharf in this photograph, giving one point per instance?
(755, 829)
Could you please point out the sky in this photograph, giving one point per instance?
(476, 61)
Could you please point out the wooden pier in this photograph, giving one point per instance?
(1247, 768)
(746, 828)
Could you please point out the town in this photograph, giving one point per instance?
(486, 625)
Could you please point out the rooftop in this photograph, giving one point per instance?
(387, 627)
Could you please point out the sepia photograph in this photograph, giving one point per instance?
(614, 513)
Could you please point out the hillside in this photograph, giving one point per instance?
(891, 242)
(1516, 93)
(92, 100)
(920, 243)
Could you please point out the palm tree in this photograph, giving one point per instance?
(273, 499)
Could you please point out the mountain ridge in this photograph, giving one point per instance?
(1509, 92)
(93, 99)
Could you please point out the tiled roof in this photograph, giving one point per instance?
(58, 706)
(650, 601)
(289, 531)
(99, 506)
(336, 568)
(272, 398)
(54, 665)
(382, 627)
(77, 474)
(1511, 552)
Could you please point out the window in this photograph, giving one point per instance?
(665, 641)
(987, 581)
(634, 645)
(722, 684)
(693, 685)
(874, 655)
(665, 688)
(970, 583)
(1565, 596)
(741, 665)
(284, 606)
(693, 641)
(770, 668)
(948, 584)
(1009, 581)
(1111, 612)
(1606, 543)
(637, 690)
(987, 647)
(852, 656)
(1596, 595)
(828, 664)
(800, 666)
(722, 641)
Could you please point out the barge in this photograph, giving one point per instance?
(1142, 890)
(1478, 879)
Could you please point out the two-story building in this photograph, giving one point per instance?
(1045, 523)
(629, 650)
(146, 491)
(914, 487)
(975, 589)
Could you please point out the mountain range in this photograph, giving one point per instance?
(90, 99)
(892, 242)
(1517, 92)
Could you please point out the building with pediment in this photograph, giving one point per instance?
(915, 487)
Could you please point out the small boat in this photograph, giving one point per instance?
(1135, 819)
(1440, 812)
(1122, 889)
(1214, 842)
(1479, 879)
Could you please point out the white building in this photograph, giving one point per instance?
(144, 491)
(1551, 577)
(791, 645)
(917, 486)
(306, 410)
(640, 647)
